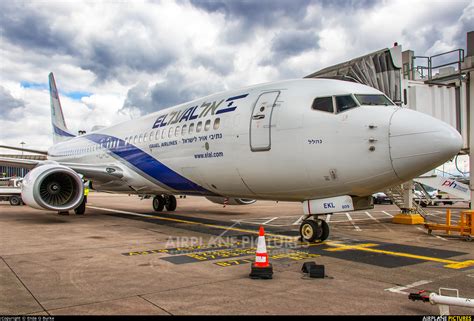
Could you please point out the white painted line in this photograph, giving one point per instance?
(441, 238)
(385, 212)
(437, 236)
(298, 221)
(370, 215)
(352, 222)
(399, 289)
(272, 219)
(119, 211)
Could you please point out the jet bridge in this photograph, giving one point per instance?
(441, 85)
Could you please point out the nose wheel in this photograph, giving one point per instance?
(314, 230)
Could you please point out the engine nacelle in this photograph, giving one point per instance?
(230, 201)
(52, 187)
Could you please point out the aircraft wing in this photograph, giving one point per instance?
(98, 172)
(90, 171)
(36, 151)
(22, 163)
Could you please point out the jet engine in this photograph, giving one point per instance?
(230, 201)
(52, 187)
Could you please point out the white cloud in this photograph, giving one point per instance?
(108, 48)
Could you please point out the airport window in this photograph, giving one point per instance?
(183, 131)
(217, 123)
(198, 127)
(207, 125)
(170, 132)
(344, 103)
(323, 104)
(177, 131)
(191, 128)
(380, 100)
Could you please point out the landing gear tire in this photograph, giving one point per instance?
(81, 209)
(15, 200)
(314, 230)
(158, 203)
(171, 203)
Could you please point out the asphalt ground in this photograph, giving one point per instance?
(124, 258)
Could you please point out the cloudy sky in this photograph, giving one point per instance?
(114, 60)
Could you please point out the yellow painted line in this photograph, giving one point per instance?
(344, 247)
(192, 222)
(449, 263)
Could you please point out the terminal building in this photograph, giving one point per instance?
(9, 171)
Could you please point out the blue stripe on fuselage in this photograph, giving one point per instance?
(150, 166)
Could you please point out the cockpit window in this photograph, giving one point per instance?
(373, 100)
(323, 104)
(344, 103)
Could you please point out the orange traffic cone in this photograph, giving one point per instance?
(261, 268)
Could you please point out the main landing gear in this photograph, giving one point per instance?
(162, 201)
(314, 229)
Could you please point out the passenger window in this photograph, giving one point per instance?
(163, 133)
(183, 131)
(344, 103)
(191, 128)
(217, 123)
(151, 135)
(198, 127)
(135, 139)
(140, 138)
(177, 131)
(323, 104)
(144, 137)
(207, 126)
(157, 134)
(170, 132)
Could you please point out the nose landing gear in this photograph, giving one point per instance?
(314, 229)
(162, 201)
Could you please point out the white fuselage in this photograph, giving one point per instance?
(272, 145)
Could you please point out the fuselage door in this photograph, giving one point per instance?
(261, 121)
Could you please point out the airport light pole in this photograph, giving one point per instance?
(22, 146)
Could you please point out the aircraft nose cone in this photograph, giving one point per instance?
(419, 143)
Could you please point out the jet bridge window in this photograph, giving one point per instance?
(323, 104)
(344, 103)
(380, 100)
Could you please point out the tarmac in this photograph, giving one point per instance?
(122, 258)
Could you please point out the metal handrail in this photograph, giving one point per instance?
(430, 66)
